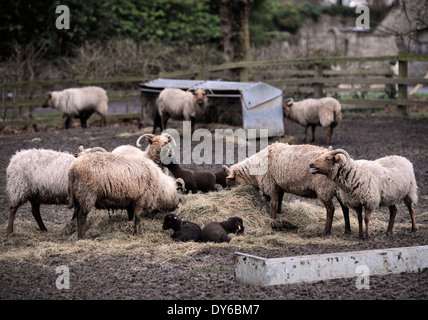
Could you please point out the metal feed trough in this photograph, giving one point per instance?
(251, 105)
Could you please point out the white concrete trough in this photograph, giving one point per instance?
(311, 268)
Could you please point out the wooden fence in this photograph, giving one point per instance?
(297, 77)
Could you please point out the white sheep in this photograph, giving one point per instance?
(370, 184)
(286, 171)
(180, 105)
(111, 181)
(79, 103)
(128, 150)
(325, 112)
(40, 177)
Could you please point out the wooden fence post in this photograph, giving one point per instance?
(319, 86)
(402, 88)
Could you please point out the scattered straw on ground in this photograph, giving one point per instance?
(301, 222)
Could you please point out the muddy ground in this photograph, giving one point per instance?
(209, 272)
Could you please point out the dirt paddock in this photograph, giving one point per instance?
(113, 264)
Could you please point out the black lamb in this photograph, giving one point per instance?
(194, 180)
(220, 178)
(217, 231)
(183, 230)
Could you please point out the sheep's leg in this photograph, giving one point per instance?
(83, 121)
(68, 122)
(367, 216)
(274, 202)
(12, 214)
(192, 124)
(280, 197)
(360, 221)
(164, 121)
(313, 132)
(329, 131)
(35, 210)
(345, 211)
(157, 121)
(329, 207)
(84, 116)
(306, 133)
(392, 214)
(409, 205)
(130, 211)
(138, 208)
(81, 222)
(103, 120)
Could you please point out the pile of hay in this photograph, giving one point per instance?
(301, 222)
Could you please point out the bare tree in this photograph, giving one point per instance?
(406, 20)
(234, 32)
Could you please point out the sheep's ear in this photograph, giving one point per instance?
(227, 171)
(330, 148)
(339, 158)
(230, 173)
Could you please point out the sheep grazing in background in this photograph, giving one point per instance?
(325, 112)
(195, 180)
(183, 230)
(79, 103)
(40, 177)
(180, 105)
(286, 171)
(111, 181)
(217, 231)
(370, 184)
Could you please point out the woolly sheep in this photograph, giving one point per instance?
(183, 230)
(128, 150)
(79, 103)
(111, 181)
(40, 177)
(286, 171)
(217, 231)
(81, 151)
(180, 105)
(195, 180)
(325, 112)
(370, 184)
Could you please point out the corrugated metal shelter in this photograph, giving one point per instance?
(260, 104)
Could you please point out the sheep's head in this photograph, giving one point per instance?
(181, 185)
(160, 148)
(232, 179)
(200, 97)
(81, 151)
(237, 224)
(48, 101)
(286, 107)
(171, 221)
(325, 163)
